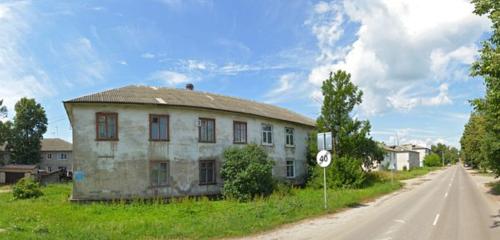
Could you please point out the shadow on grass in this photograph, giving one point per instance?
(356, 205)
(494, 188)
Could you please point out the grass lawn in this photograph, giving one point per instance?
(53, 217)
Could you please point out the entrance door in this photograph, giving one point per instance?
(13, 177)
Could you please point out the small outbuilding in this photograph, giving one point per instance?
(11, 173)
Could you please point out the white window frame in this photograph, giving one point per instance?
(61, 156)
(292, 137)
(267, 143)
(293, 167)
(49, 155)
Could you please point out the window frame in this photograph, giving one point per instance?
(49, 155)
(106, 114)
(152, 163)
(234, 132)
(167, 128)
(199, 130)
(293, 168)
(214, 172)
(262, 134)
(61, 156)
(292, 138)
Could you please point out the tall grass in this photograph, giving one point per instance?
(52, 216)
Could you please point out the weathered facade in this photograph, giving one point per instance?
(422, 151)
(173, 145)
(401, 158)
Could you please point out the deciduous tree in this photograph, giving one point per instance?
(30, 123)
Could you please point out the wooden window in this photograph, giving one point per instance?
(207, 172)
(206, 130)
(159, 173)
(107, 126)
(289, 136)
(290, 169)
(159, 129)
(267, 134)
(239, 132)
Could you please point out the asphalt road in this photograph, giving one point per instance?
(444, 205)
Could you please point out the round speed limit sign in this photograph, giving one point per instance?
(324, 158)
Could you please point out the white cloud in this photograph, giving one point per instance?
(148, 55)
(123, 62)
(402, 48)
(290, 87)
(169, 78)
(20, 75)
(85, 62)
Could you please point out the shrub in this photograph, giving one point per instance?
(344, 172)
(432, 160)
(26, 188)
(247, 172)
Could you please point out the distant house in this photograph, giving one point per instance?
(423, 151)
(11, 173)
(401, 158)
(56, 154)
(140, 141)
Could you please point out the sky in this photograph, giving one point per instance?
(410, 58)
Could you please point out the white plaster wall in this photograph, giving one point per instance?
(120, 169)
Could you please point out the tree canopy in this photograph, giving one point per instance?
(24, 140)
(487, 67)
(351, 135)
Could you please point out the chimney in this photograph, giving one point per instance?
(190, 86)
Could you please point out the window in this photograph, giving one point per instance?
(290, 169)
(158, 127)
(207, 172)
(267, 134)
(49, 155)
(239, 132)
(107, 126)
(159, 173)
(63, 156)
(289, 136)
(206, 131)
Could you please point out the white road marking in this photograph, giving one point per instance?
(436, 220)
(446, 195)
(400, 221)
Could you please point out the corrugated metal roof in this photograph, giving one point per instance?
(182, 97)
(56, 144)
(50, 144)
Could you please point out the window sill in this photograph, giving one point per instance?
(207, 184)
(290, 177)
(206, 142)
(160, 186)
(268, 144)
(107, 139)
(239, 142)
(290, 146)
(158, 140)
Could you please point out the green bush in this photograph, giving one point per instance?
(432, 160)
(26, 188)
(344, 172)
(247, 172)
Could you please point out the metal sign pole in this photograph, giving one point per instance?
(324, 184)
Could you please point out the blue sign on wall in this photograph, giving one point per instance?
(79, 176)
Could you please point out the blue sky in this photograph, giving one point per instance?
(410, 58)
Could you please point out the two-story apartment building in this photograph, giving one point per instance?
(56, 154)
(401, 158)
(140, 141)
(422, 151)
